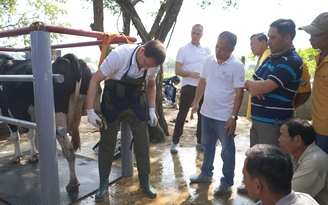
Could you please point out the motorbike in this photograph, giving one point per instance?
(117, 153)
(169, 92)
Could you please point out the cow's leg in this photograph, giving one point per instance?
(18, 153)
(34, 153)
(68, 152)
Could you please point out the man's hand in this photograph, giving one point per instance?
(152, 117)
(194, 74)
(260, 97)
(194, 109)
(230, 126)
(93, 118)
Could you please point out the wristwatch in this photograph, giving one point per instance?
(234, 117)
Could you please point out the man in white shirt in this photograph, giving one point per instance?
(124, 99)
(222, 83)
(189, 62)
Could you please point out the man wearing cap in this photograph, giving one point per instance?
(318, 30)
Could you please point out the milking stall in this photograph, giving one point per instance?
(43, 182)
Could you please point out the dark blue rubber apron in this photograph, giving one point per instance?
(127, 93)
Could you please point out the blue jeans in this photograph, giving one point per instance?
(322, 142)
(213, 130)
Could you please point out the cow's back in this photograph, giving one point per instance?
(18, 96)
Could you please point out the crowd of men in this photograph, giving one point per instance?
(287, 159)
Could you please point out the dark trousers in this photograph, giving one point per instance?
(108, 139)
(186, 97)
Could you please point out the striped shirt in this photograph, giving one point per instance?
(286, 71)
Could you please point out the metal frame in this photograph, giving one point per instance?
(44, 101)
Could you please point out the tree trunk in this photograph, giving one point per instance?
(165, 19)
(98, 18)
(126, 24)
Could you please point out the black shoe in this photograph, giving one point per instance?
(176, 119)
(242, 189)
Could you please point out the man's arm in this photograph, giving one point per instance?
(179, 71)
(93, 88)
(260, 87)
(230, 126)
(151, 93)
(301, 98)
(304, 89)
(198, 95)
(238, 100)
(93, 118)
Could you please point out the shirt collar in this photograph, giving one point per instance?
(288, 199)
(230, 59)
(308, 150)
(192, 45)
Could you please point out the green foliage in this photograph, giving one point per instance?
(308, 55)
(17, 14)
(90, 60)
(169, 64)
(226, 4)
(249, 74)
(252, 57)
(169, 68)
(7, 8)
(111, 5)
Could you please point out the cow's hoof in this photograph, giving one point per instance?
(34, 158)
(16, 160)
(72, 188)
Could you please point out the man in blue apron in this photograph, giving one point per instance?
(126, 99)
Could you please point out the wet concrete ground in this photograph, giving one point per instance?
(169, 175)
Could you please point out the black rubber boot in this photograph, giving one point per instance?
(103, 188)
(146, 187)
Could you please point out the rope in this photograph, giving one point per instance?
(106, 40)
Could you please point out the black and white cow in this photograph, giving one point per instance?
(69, 100)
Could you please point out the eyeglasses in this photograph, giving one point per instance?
(145, 63)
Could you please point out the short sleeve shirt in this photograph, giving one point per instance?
(286, 71)
(192, 58)
(118, 62)
(320, 97)
(221, 81)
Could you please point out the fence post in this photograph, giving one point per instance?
(45, 117)
(126, 150)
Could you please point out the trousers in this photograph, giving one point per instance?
(186, 98)
(108, 138)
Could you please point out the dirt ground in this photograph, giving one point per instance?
(188, 139)
(182, 165)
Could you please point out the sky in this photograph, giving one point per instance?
(251, 16)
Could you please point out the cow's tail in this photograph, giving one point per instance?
(74, 118)
(77, 72)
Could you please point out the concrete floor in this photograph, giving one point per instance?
(169, 176)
